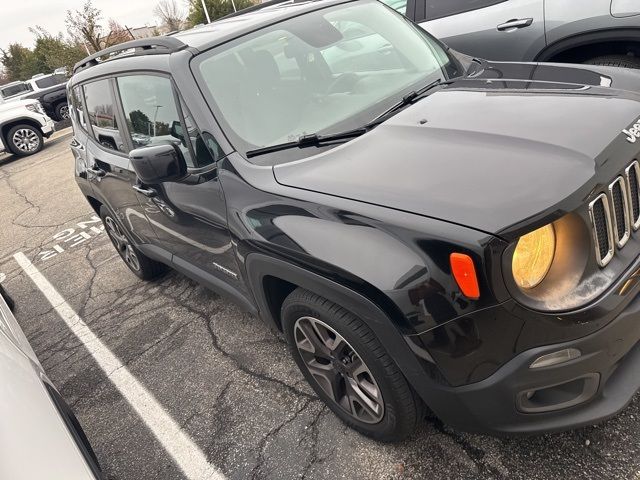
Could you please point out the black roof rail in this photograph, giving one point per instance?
(144, 46)
(260, 6)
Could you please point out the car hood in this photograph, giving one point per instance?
(16, 103)
(488, 151)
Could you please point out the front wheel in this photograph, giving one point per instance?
(62, 111)
(349, 369)
(141, 265)
(24, 140)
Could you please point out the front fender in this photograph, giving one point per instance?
(260, 266)
(397, 260)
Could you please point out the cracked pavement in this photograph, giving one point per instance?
(220, 373)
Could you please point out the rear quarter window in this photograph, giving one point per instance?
(77, 107)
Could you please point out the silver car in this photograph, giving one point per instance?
(40, 438)
(598, 32)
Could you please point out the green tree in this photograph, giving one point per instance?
(19, 62)
(53, 51)
(138, 122)
(216, 9)
(50, 52)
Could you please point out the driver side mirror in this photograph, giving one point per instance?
(158, 163)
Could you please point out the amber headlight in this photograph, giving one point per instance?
(533, 257)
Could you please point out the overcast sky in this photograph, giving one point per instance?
(16, 16)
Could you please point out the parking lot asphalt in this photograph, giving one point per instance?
(220, 374)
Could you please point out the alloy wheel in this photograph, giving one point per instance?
(26, 140)
(64, 112)
(339, 370)
(122, 244)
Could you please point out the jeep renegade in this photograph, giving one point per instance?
(427, 229)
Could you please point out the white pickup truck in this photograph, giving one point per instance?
(23, 127)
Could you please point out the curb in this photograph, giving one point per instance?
(60, 133)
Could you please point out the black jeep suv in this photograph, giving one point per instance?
(427, 229)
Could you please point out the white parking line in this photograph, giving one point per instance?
(191, 460)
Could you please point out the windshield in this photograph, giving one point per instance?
(322, 72)
(15, 89)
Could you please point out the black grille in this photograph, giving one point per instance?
(600, 224)
(633, 191)
(618, 209)
(615, 214)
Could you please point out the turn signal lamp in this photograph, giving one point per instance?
(464, 273)
(556, 358)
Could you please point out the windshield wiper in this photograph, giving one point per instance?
(407, 100)
(315, 140)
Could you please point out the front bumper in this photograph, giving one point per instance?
(48, 126)
(603, 380)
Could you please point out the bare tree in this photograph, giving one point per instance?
(117, 34)
(83, 25)
(169, 14)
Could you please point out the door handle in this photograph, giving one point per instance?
(515, 23)
(98, 172)
(147, 192)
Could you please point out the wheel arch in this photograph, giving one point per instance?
(8, 125)
(59, 101)
(575, 48)
(95, 204)
(271, 280)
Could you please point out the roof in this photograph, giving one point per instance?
(235, 25)
(204, 37)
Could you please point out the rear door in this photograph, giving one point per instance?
(107, 157)
(625, 8)
(564, 20)
(80, 132)
(508, 30)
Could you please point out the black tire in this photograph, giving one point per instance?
(402, 409)
(61, 111)
(24, 140)
(624, 61)
(142, 266)
(9, 301)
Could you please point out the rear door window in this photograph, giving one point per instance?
(102, 112)
(446, 8)
(16, 89)
(50, 81)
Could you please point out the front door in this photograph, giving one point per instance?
(508, 30)
(188, 216)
